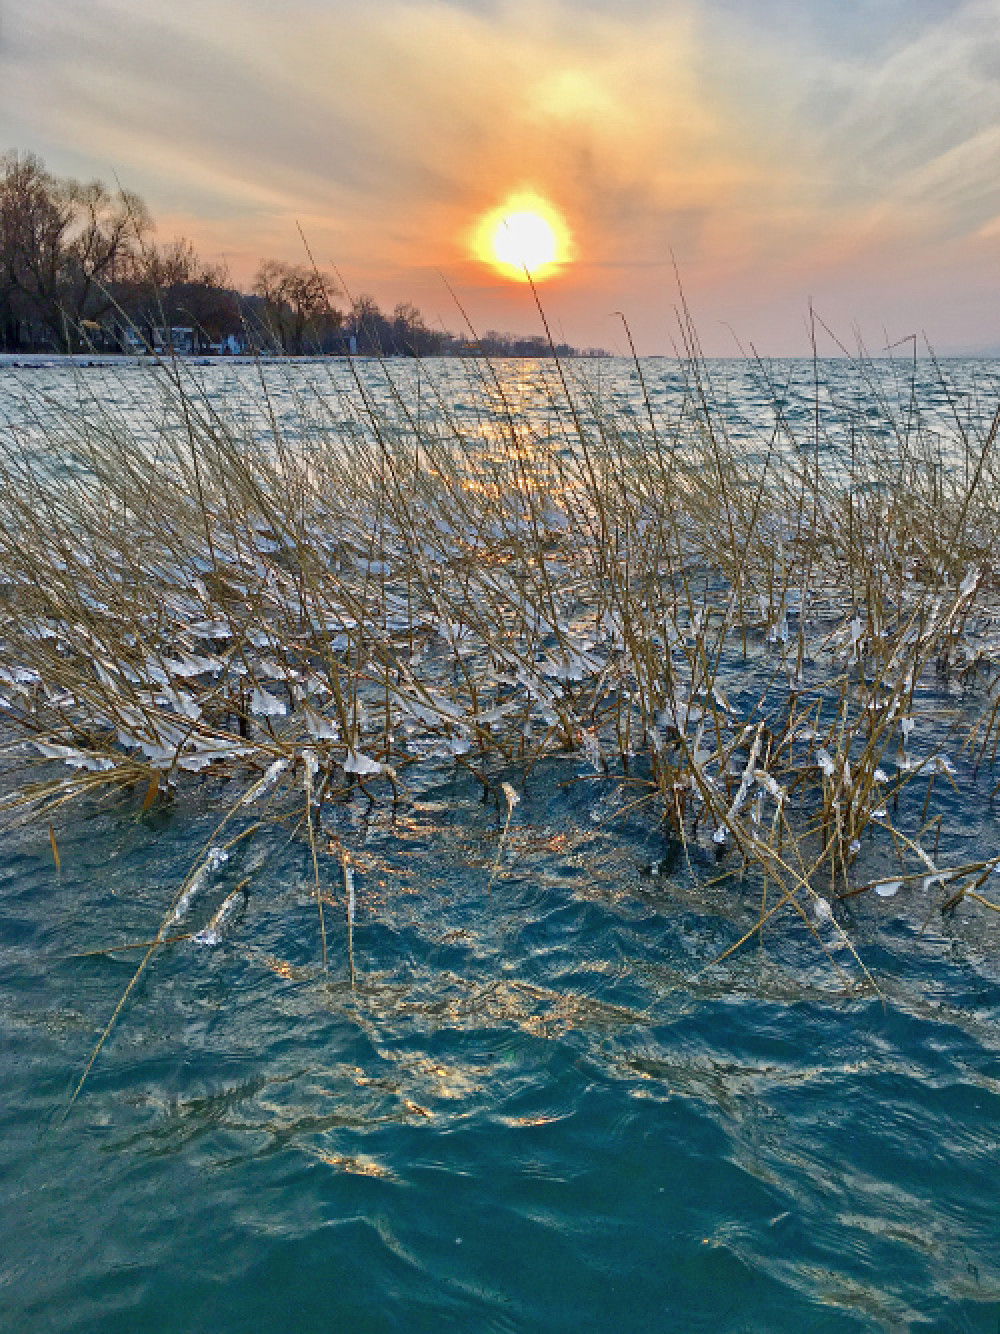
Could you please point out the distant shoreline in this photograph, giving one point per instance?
(110, 360)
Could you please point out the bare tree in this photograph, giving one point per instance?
(33, 222)
(62, 246)
(298, 304)
(410, 335)
(105, 229)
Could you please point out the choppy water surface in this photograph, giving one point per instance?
(820, 403)
(538, 1108)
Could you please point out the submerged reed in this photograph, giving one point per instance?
(357, 576)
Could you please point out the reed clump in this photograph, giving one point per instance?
(311, 586)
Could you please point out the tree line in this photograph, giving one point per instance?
(80, 269)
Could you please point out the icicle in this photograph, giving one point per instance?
(825, 762)
(592, 749)
(769, 783)
(970, 582)
(215, 858)
(210, 935)
(351, 902)
(271, 775)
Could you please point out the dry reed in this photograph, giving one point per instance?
(346, 579)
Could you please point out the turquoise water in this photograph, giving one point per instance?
(521, 1118)
(538, 1108)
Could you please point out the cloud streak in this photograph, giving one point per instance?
(771, 154)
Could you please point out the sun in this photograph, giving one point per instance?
(524, 237)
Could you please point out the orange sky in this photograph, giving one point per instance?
(776, 150)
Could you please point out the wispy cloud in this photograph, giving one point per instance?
(767, 145)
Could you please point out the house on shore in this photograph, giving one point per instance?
(180, 340)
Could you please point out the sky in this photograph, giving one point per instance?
(755, 158)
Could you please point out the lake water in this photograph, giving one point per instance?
(538, 1108)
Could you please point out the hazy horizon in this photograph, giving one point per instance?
(775, 151)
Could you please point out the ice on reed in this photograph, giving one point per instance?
(349, 882)
(265, 705)
(76, 759)
(214, 859)
(270, 776)
(970, 583)
(771, 785)
(181, 702)
(319, 727)
(212, 933)
(680, 714)
(362, 765)
(824, 761)
(592, 749)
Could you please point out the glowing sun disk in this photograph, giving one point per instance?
(525, 240)
(525, 235)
